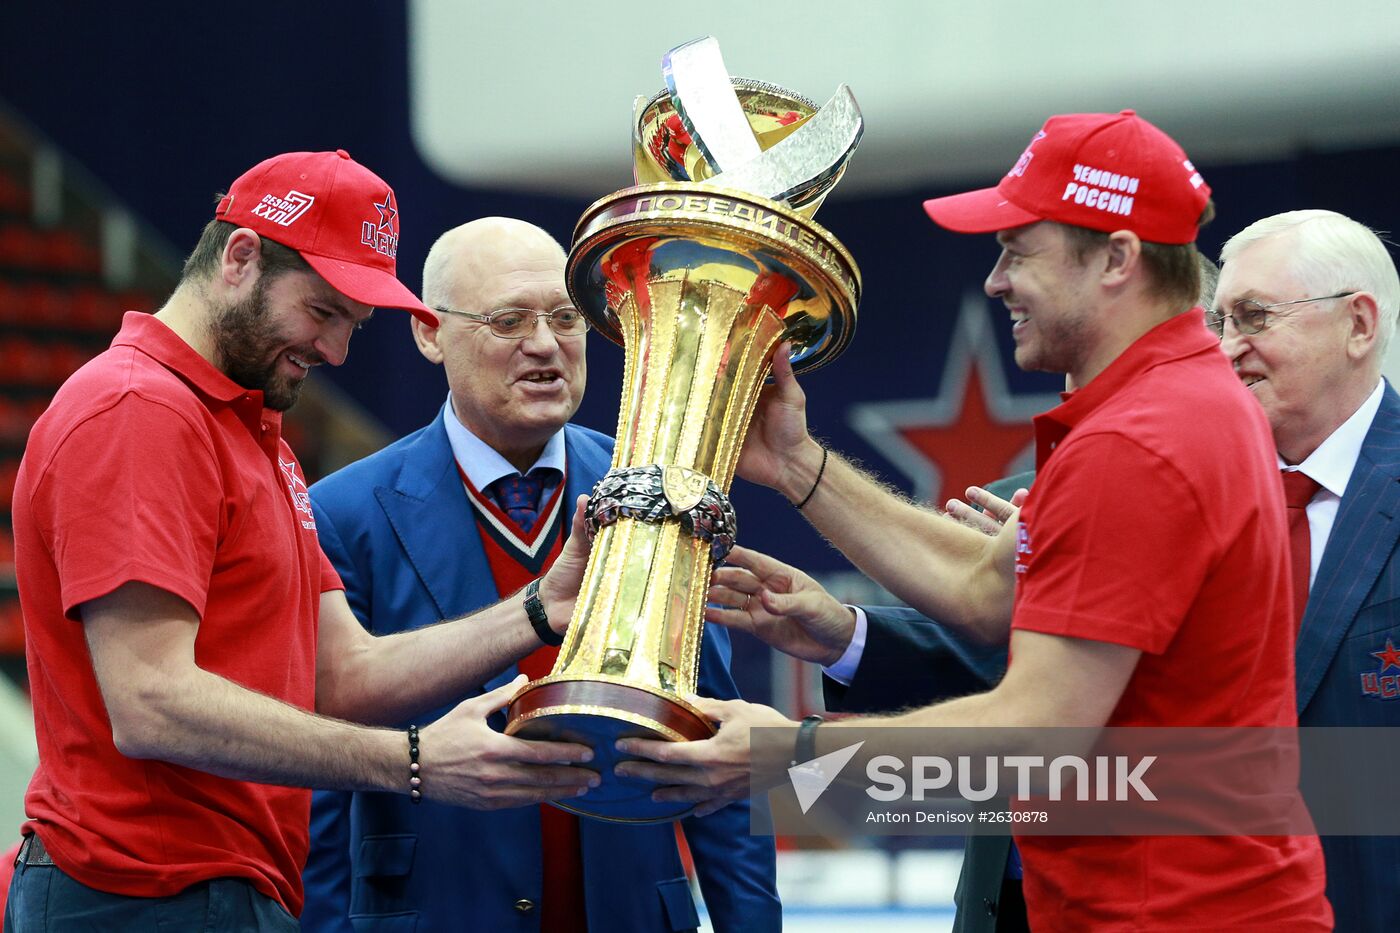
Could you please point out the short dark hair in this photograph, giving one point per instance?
(1173, 269)
(209, 252)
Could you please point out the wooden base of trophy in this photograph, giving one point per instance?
(597, 713)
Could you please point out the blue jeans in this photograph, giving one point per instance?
(43, 899)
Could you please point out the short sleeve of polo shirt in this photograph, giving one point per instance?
(1118, 546)
(330, 579)
(133, 493)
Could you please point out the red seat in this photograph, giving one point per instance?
(46, 305)
(64, 360)
(14, 197)
(134, 300)
(9, 472)
(90, 310)
(11, 303)
(11, 625)
(65, 251)
(20, 247)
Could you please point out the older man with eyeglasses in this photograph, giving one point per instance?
(1306, 308)
(464, 512)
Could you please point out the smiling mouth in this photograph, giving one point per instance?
(299, 361)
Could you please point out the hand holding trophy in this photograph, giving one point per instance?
(699, 272)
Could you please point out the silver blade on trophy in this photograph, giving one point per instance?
(799, 167)
(703, 95)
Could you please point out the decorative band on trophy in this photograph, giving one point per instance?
(655, 494)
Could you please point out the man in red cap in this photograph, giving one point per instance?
(193, 661)
(1133, 596)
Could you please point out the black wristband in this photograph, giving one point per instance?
(539, 620)
(415, 783)
(805, 748)
(816, 482)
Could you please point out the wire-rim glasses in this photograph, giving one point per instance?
(519, 323)
(1252, 316)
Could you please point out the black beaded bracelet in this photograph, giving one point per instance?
(816, 482)
(414, 781)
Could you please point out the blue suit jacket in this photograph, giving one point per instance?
(1353, 610)
(399, 529)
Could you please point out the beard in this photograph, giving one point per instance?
(248, 346)
(1059, 341)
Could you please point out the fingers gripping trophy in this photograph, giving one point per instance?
(699, 271)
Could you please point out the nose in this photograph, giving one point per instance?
(997, 283)
(541, 341)
(1233, 344)
(334, 342)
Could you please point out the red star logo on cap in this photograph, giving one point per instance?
(973, 432)
(387, 213)
(1390, 657)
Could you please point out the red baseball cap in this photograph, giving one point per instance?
(341, 217)
(1103, 171)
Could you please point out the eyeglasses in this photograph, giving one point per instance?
(519, 323)
(1252, 316)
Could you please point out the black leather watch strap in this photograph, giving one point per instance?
(539, 620)
(806, 747)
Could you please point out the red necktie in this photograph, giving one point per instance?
(1298, 490)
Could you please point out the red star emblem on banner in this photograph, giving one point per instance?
(974, 431)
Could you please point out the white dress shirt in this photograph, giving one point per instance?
(484, 465)
(1331, 465)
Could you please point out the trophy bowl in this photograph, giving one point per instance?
(665, 150)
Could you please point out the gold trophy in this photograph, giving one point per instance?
(699, 272)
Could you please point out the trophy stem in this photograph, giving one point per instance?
(699, 311)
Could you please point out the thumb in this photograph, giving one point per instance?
(783, 378)
(713, 709)
(496, 699)
(580, 524)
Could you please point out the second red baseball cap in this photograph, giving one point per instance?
(1103, 171)
(341, 217)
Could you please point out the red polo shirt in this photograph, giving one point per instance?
(150, 465)
(1157, 522)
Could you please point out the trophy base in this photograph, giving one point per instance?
(597, 713)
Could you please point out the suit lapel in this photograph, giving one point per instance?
(1362, 539)
(428, 510)
(588, 460)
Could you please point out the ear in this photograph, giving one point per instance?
(1364, 316)
(427, 339)
(242, 259)
(1121, 259)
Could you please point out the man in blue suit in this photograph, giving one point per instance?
(458, 515)
(1306, 308)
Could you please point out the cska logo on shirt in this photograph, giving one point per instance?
(1023, 547)
(296, 488)
(1378, 683)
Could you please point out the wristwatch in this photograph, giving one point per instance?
(806, 747)
(539, 620)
